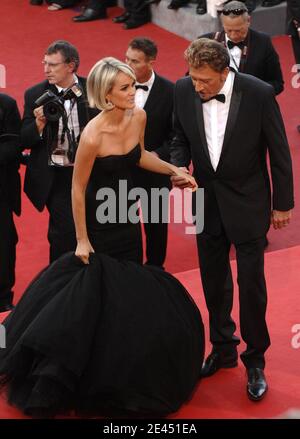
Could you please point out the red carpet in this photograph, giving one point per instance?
(26, 31)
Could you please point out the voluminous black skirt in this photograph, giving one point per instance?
(105, 336)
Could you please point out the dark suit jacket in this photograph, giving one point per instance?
(261, 59)
(237, 195)
(293, 13)
(158, 132)
(10, 153)
(39, 175)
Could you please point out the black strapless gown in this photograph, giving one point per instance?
(109, 336)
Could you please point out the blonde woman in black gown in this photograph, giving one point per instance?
(96, 330)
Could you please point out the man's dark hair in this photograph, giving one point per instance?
(68, 51)
(145, 45)
(204, 51)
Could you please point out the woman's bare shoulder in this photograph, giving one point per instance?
(140, 114)
(91, 134)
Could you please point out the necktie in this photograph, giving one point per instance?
(143, 87)
(231, 44)
(220, 98)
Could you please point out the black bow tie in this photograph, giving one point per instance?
(231, 44)
(220, 98)
(143, 87)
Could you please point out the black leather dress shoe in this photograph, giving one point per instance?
(121, 18)
(89, 15)
(176, 4)
(257, 385)
(7, 307)
(200, 10)
(215, 361)
(132, 24)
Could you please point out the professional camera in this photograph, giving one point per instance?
(54, 109)
(53, 105)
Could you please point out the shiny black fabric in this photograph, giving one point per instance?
(109, 336)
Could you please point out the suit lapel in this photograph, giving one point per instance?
(82, 106)
(153, 96)
(200, 123)
(232, 115)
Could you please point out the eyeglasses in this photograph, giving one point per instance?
(234, 11)
(51, 64)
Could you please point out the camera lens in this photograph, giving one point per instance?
(53, 111)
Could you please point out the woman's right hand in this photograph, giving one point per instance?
(183, 179)
(83, 250)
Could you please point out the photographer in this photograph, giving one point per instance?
(10, 196)
(53, 142)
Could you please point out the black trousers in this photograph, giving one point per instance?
(156, 232)
(100, 5)
(217, 284)
(61, 229)
(8, 242)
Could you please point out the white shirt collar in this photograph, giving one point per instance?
(150, 81)
(60, 88)
(227, 86)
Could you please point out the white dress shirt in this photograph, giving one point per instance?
(215, 115)
(235, 55)
(141, 95)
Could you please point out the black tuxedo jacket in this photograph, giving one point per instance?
(237, 195)
(39, 175)
(158, 132)
(261, 59)
(10, 153)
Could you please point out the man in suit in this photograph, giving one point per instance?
(250, 51)
(225, 122)
(10, 198)
(154, 94)
(50, 166)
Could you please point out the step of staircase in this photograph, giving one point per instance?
(187, 24)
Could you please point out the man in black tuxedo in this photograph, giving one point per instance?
(10, 196)
(50, 166)
(154, 94)
(250, 51)
(225, 122)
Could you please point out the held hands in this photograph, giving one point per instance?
(83, 250)
(280, 219)
(183, 179)
(40, 119)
